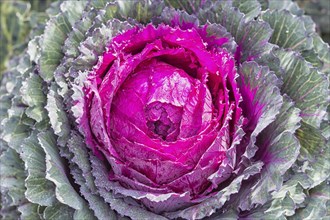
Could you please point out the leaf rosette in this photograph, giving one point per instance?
(167, 110)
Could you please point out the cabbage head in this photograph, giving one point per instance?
(150, 109)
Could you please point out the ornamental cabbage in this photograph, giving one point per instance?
(167, 110)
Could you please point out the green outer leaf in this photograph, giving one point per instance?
(288, 120)
(58, 118)
(315, 152)
(78, 33)
(34, 49)
(15, 132)
(282, 207)
(323, 51)
(29, 211)
(81, 157)
(321, 48)
(259, 80)
(95, 44)
(98, 4)
(73, 9)
(82, 173)
(251, 8)
(83, 214)
(325, 127)
(290, 196)
(312, 57)
(10, 212)
(32, 91)
(143, 10)
(284, 150)
(251, 36)
(7, 85)
(38, 189)
(260, 214)
(12, 176)
(278, 149)
(305, 85)
(15, 127)
(222, 13)
(170, 14)
(58, 212)
(317, 206)
(54, 36)
(33, 96)
(226, 215)
(190, 6)
(56, 172)
(284, 5)
(109, 12)
(96, 203)
(289, 30)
